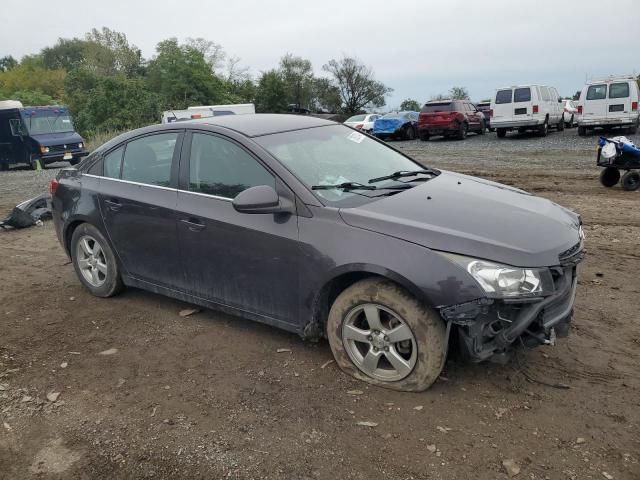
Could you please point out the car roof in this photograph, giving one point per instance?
(255, 125)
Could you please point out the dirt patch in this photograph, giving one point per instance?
(209, 395)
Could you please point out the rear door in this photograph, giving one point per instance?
(522, 103)
(138, 197)
(619, 101)
(503, 105)
(595, 102)
(245, 261)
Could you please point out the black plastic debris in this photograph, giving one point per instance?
(29, 213)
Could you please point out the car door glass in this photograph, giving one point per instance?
(221, 168)
(148, 159)
(619, 90)
(523, 95)
(112, 162)
(597, 92)
(504, 96)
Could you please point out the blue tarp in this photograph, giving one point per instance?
(621, 146)
(387, 125)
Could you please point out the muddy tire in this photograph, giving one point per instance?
(94, 262)
(501, 132)
(630, 181)
(609, 176)
(362, 341)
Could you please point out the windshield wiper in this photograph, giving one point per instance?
(344, 186)
(404, 173)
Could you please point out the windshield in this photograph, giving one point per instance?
(356, 118)
(47, 122)
(333, 155)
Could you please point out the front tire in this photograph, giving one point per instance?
(94, 262)
(609, 176)
(382, 335)
(410, 134)
(424, 136)
(501, 132)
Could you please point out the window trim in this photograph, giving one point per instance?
(185, 165)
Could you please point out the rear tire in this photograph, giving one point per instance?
(560, 126)
(609, 176)
(483, 128)
(630, 181)
(417, 362)
(410, 134)
(501, 132)
(94, 262)
(633, 130)
(582, 131)
(463, 129)
(543, 130)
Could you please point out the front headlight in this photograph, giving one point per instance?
(505, 281)
(44, 149)
(80, 145)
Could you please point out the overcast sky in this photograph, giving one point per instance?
(419, 48)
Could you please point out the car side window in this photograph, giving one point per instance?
(597, 92)
(504, 96)
(17, 127)
(111, 163)
(619, 90)
(222, 168)
(148, 159)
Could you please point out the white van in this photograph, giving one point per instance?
(612, 102)
(206, 111)
(526, 107)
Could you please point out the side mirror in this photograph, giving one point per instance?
(262, 199)
(559, 100)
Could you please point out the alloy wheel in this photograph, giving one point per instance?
(379, 342)
(91, 261)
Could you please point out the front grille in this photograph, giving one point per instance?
(572, 256)
(63, 148)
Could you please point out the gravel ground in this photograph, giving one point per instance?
(126, 388)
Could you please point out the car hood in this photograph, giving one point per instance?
(474, 217)
(49, 139)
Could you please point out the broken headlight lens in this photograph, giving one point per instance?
(506, 281)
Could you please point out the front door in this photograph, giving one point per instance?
(138, 200)
(245, 261)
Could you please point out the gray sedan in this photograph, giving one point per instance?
(315, 228)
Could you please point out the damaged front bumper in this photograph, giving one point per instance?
(489, 328)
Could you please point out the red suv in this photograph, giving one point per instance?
(451, 118)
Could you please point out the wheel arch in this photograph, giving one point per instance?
(341, 279)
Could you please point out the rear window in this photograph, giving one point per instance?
(356, 118)
(619, 90)
(438, 107)
(597, 92)
(503, 96)
(522, 95)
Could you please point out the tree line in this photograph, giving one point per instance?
(108, 85)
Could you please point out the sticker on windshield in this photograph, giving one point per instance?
(356, 137)
(64, 120)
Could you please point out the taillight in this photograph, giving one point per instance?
(634, 106)
(579, 109)
(359, 126)
(53, 187)
(491, 113)
(535, 109)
